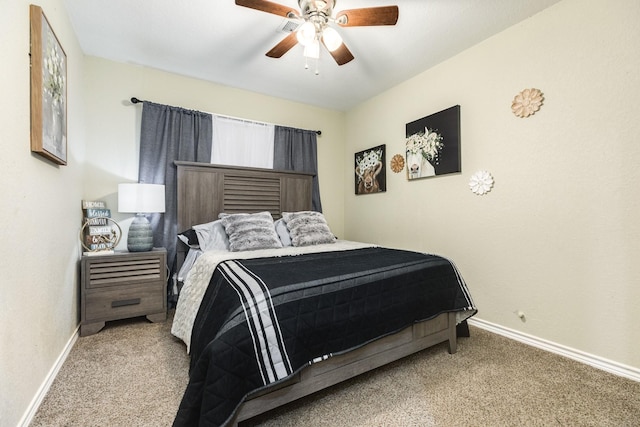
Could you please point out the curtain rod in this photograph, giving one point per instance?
(135, 100)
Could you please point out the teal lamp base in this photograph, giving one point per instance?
(140, 236)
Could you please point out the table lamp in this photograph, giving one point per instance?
(140, 199)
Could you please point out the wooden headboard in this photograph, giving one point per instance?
(205, 190)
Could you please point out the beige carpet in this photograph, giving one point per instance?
(133, 373)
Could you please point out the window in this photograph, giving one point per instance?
(242, 143)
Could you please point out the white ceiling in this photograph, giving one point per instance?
(216, 40)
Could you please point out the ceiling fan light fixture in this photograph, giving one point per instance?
(331, 39)
(306, 33)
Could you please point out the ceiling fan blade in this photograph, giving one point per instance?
(342, 55)
(383, 15)
(284, 46)
(266, 6)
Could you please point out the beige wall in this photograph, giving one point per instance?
(39, 217)
(113, 125)
(558, 237)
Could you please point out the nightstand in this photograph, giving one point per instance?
(120, 286)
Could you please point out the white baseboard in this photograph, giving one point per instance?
(580, 356)
(46, 384)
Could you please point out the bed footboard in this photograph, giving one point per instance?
(339, 368)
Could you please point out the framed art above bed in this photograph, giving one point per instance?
(433, 144)
(370, 170)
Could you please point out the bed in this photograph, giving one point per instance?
(270, 325)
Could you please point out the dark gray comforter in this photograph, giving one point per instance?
(262, 320)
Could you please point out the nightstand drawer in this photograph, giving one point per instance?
(121, 271)
(122, 303)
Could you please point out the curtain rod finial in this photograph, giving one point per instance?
(135, 100)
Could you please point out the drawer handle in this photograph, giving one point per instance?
(124, 302)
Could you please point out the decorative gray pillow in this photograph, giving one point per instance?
(249, 232)
(307, 228)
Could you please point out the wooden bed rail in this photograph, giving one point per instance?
(342, 367)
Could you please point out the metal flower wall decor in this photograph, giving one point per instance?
(527, 102)
(481, 182)
(397, 163)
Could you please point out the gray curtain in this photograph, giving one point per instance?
(297, 150)
(168, 134)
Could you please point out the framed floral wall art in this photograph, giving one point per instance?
(433, 144)
(48, 90)
(370, 176)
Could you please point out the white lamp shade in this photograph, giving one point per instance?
(140, 198)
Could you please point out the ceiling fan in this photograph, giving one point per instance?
(317, 15)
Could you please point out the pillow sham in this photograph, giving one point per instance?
(249, 232)
(283, 232)
(212, 236)
(308, 228)
(190, 238)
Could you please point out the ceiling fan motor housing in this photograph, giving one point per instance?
(320, 10)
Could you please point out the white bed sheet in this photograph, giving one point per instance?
(199, 275)
(189, 260)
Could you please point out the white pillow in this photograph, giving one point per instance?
(308, 228)
(212, 236)
(283, 232)
(250, 231)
